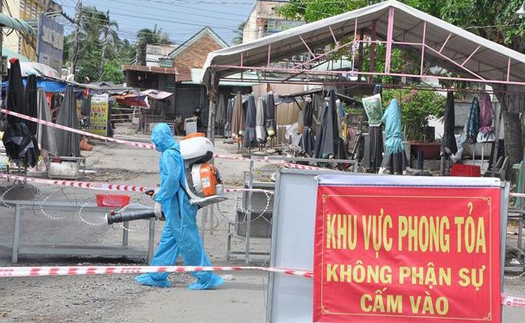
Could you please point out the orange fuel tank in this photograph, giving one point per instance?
(208, 174)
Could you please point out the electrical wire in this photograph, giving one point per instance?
(178, 21)
(131, 34)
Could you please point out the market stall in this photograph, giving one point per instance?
(390, 26)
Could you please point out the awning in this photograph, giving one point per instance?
(133, 100)
(39, 69)
(16, 24)
(156, 94)
(107, 87)
(10, 54)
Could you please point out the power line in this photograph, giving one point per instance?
(128, 31)
(227, 24)
(177, 22)
(194, 8)
(200, 2)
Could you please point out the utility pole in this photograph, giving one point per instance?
(74, 56)
(104, 46)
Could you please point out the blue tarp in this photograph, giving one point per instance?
(47, 85)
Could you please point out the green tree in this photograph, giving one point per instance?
(147, 36)
(100, 46)
(127, 52)
(313, 10)
(496, 21)
(239, 34)
(110, 41)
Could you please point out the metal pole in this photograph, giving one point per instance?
(495, 146)
(204, 219)
(125, 233)
(389, 36)
(151, 239)
(16, 235)
(213, 91)
(249, 215)
(211, 121)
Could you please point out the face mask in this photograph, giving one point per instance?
(156, 147)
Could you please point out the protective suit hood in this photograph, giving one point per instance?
(162, 137)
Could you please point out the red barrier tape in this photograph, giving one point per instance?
(105, 186)
(513, 301)
(80, 132)
(5, 272)
(139, 144)
(79, 184)
(106, 270)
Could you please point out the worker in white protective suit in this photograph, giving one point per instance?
(180, 233)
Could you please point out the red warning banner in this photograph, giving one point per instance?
(398, 254)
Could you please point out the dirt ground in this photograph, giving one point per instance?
(117, 298)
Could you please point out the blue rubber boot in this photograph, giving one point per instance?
(212, 283)
(149, 280)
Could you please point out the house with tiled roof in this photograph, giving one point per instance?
(179, 73)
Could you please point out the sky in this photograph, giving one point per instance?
(180, 19)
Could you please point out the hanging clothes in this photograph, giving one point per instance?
(473, 121)
(46, 134)
(19, 142)
(30, 108)
(249, 138)
(448, 143)
(229, 116)
(260, 118)
(327, 145)
(307, 141)
(271, 125)
(373, 142)
(68, 143)
(238, 119)
(395, 158)
(220, 114)
(486, 118)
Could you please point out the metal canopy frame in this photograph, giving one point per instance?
(470, 58)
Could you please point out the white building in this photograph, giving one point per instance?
(158, 55)
(263, 21)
